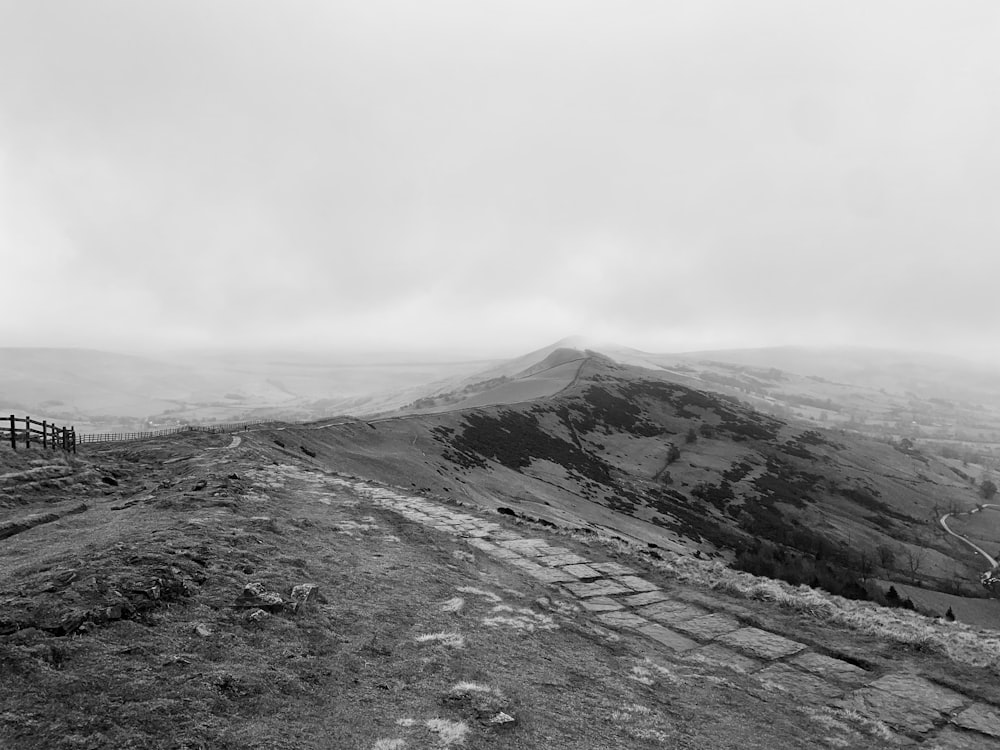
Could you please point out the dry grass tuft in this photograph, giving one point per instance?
(642, 723)
(473, 591)
(959, 642)
(448, 732)
(394, 744)
(455, 604)
(521, 618)
(450, 639)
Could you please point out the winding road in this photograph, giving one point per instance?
(944, 524)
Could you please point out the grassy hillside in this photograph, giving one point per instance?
(240, 594)
(668, 465)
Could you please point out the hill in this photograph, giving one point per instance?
(108, 392)
(634, 453)
(241, 593)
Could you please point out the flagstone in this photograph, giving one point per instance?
(719, 655)
(667, 637)
(761, 643)
(649, 597)
(612, 568)
(805, 686)
(623, 619)
(981, 718)
(708, 626)
(637, 584)
(829, 668)
(562, 558)
(671, 612)
(600, 604)
(582, 571)
(596, 588)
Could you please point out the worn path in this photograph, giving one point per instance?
(616, 596)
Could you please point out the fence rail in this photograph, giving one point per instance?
(52, 436)
(116, 437)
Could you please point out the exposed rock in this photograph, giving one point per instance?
(982, 718)
(256, 595)
(501, 718)
(203, 630)
(761, 643)
(255, 616)
(306, 592)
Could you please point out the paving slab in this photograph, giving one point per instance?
(649, 597)
(526, 565)
(708, 626)
(671, 612)
(920, 690)
(622, 619)
(951, 738)
(482, 544)
(721, 656)
(582, 571)
(525, 547)
(505, 535)
(761, 643)
(562, 558)
(714, 603)
(670, 639)
(600, 604)
(981, 718)
(829, 668)
(805, 686)
(549, 575)
(596, 588)
(613, 569)
(474, 531)
(636, 583)
(894, 710)
(504, 554)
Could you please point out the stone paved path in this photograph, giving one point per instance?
(916, 710)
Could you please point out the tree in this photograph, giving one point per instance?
(987, 489)
(949, 615)
(913, 558)
(691, 436)
(866, 566)
(886, 556)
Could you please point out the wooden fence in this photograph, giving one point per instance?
(114, 437)
(33, 431)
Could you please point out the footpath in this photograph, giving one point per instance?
(914, 710)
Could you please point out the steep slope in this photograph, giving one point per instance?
(624, 450)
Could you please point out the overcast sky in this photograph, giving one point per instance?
(497, 175)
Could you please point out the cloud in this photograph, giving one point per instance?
(444, 173)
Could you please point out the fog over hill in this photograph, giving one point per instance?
(875, 392)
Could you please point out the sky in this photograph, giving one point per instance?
(490, 176)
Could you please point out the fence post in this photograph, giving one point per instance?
(27, 432)
(13, 435)
(72, 435)
(45, 434)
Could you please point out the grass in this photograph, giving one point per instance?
(369, 667)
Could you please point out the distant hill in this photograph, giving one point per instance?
(631, 450)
